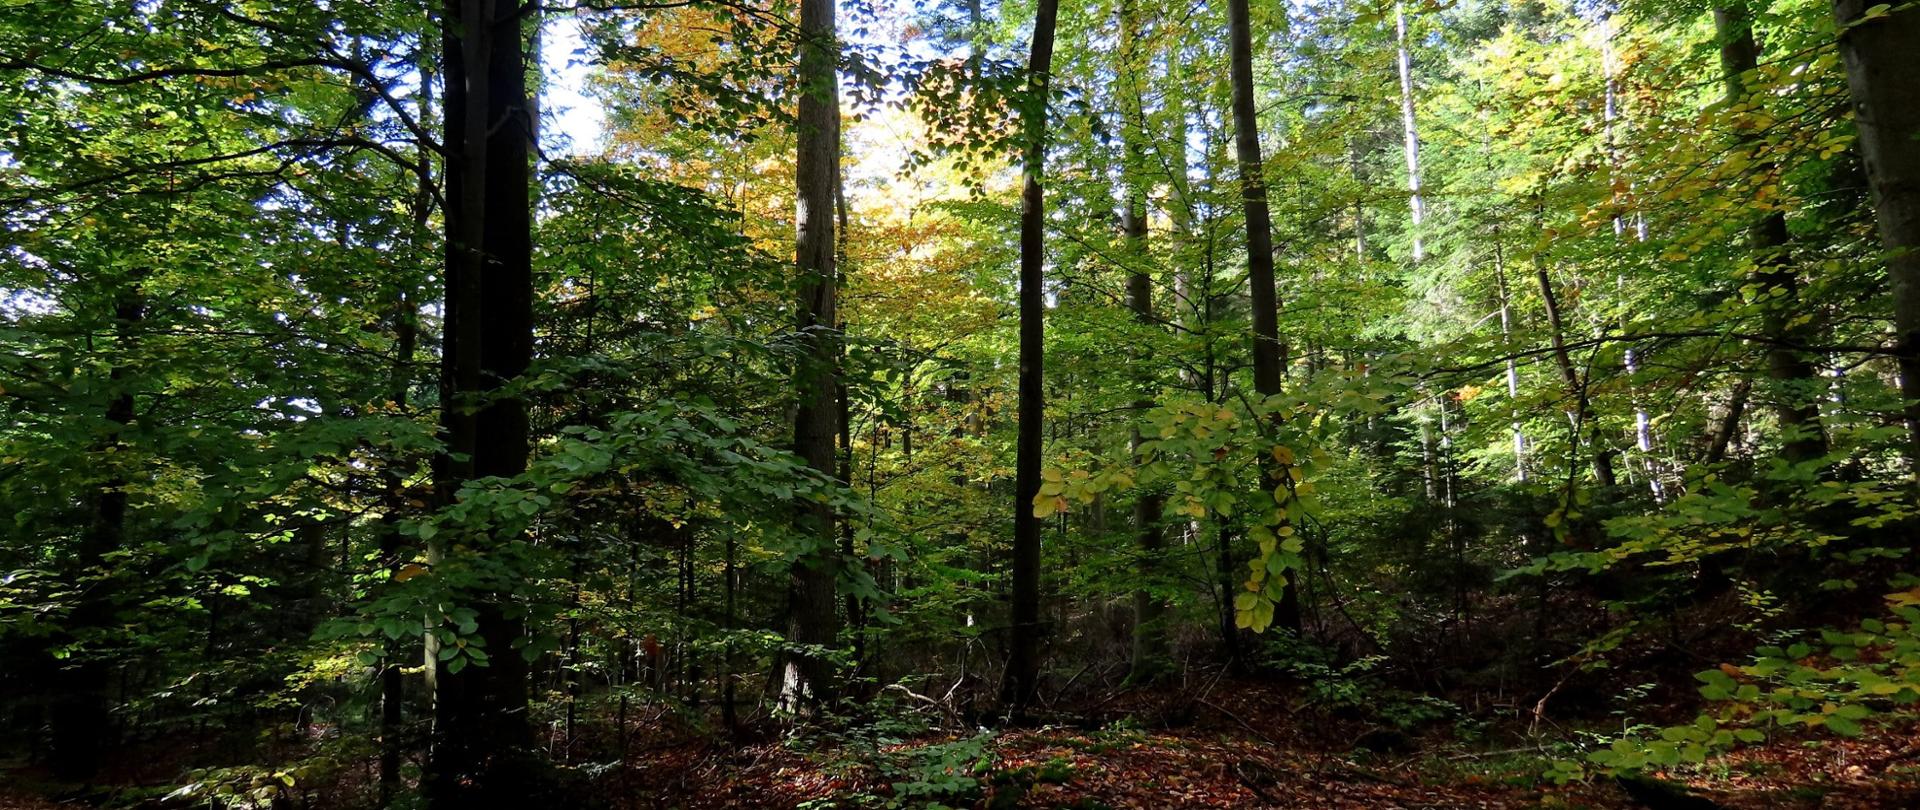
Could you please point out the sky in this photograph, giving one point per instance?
(579, 124)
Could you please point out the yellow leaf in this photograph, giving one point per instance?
(1043, 506)
(1906, 597)
(408, 571)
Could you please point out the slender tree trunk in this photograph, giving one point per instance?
(1266, 306)
(807, 677)
(1513, 367)
(1879, 54)
(1610, 107)
(1410, 127)
(1796, 402)
(1729, 424)
(482, 753)
(1581, 415)
(393, 544)
(1149, 630)
(1023, 658)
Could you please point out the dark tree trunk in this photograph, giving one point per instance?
(80, 710)
(1023, 658)
(1879, 54)
(482, 752)
(805, 678)
(1267, 350)
(1582, 412)
(1796, 402)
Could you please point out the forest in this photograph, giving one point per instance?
(959, 404)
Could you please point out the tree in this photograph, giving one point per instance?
(1877, 43)
(1130, 71)
(1798, 410)
(1022, 677)
(482, 747)
(807, 677)
(1259, 223)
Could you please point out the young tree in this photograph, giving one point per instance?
(1149, 630)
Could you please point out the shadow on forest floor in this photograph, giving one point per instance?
(1244, 749)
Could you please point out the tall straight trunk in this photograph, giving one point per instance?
(1149, 623)
(482, 751)
(807, 677)
(80, 711)
(1886, 104)
(1266, 305)
(1796, 402)
(1610, 117)
(1023, 655)
(1410, 131)
(1178, 203)
(1513, 367)
(1432, 471)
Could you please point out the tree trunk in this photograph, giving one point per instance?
(1266, 306)
(1023, 657)
(806, 677)
(1513, 368)
(80, 711)
(1149, 655)
(1796, 402)
(1581, 414)
(1410, 130)
(1886, 105)
(482, 751)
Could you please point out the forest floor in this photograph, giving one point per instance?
(1238, 745)
(1243, 748)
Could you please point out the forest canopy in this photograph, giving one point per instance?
(1039, 403)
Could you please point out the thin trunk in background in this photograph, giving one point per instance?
(1410, 132)
(1149, 654)
(1513, 366)
(1797, 381)
(1610, 123)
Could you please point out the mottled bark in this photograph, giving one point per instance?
(806, 678)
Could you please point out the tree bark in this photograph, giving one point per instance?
(1023, 656)
(1149, 654)
(1266, 305)
(807, 677)
(1886, 103)
(482, 752)
(1796, 401)
(80, 711)
(1410, 131)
